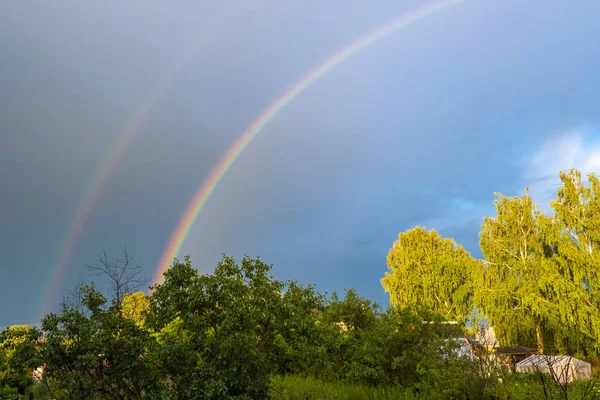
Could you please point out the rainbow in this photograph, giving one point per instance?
(115, 155)
(93, 191)
(245, 138)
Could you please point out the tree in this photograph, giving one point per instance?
(428, 271)
(223, 334)
(97, 346)
(124, 276)
(93, 352)
(354, 312)
(540, 283)
(17, 358)
(572, 270)
(136, 307)
(508, 289)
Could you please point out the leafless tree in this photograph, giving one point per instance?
(124, 275)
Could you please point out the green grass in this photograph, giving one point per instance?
(298, 388)
(519, 387)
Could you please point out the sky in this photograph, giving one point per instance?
(418, 128)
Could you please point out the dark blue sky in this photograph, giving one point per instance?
(420, 128)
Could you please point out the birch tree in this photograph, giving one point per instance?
(573, 269)
(507, 288)
(426, 270)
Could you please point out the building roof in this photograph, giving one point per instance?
(551, 360)
(515, 350)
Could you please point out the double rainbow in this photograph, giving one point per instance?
(116, 153)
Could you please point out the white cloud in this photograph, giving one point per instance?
(592, 163)
(571, 150)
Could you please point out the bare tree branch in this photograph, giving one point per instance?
(124, 275)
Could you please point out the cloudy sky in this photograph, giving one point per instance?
(419, 128)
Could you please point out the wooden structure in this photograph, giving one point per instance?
(512, 355)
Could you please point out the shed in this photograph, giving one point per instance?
(564, 369)
(511, 355)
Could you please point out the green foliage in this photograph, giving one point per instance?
(507, 287)
(541, 387)
(381, 348)
(136, 307)
(302, 388)
(93, 351)
(432, 272)
(232, 329)
(522, 386)
(354, 312)
(238, 333)
(540, 284)
(17, 356)
(573, 276)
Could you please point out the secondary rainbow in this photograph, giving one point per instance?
(235, 150)
(93, 191)
(115, 155)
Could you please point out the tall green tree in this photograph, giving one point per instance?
(573, 269)
(429, 271)
(510, 289)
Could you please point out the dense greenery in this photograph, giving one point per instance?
(15, 359)
(428, 270)
(239, 333)
(540, 283)
(525, 386)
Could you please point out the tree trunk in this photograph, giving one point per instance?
(540, 339)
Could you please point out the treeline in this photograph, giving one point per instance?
(539, 282)
(224, 336)
(230, 333)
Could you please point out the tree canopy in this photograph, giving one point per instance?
(540, 282)
(431, 272)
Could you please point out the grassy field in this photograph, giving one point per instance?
(521, 387)
(298, 388)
